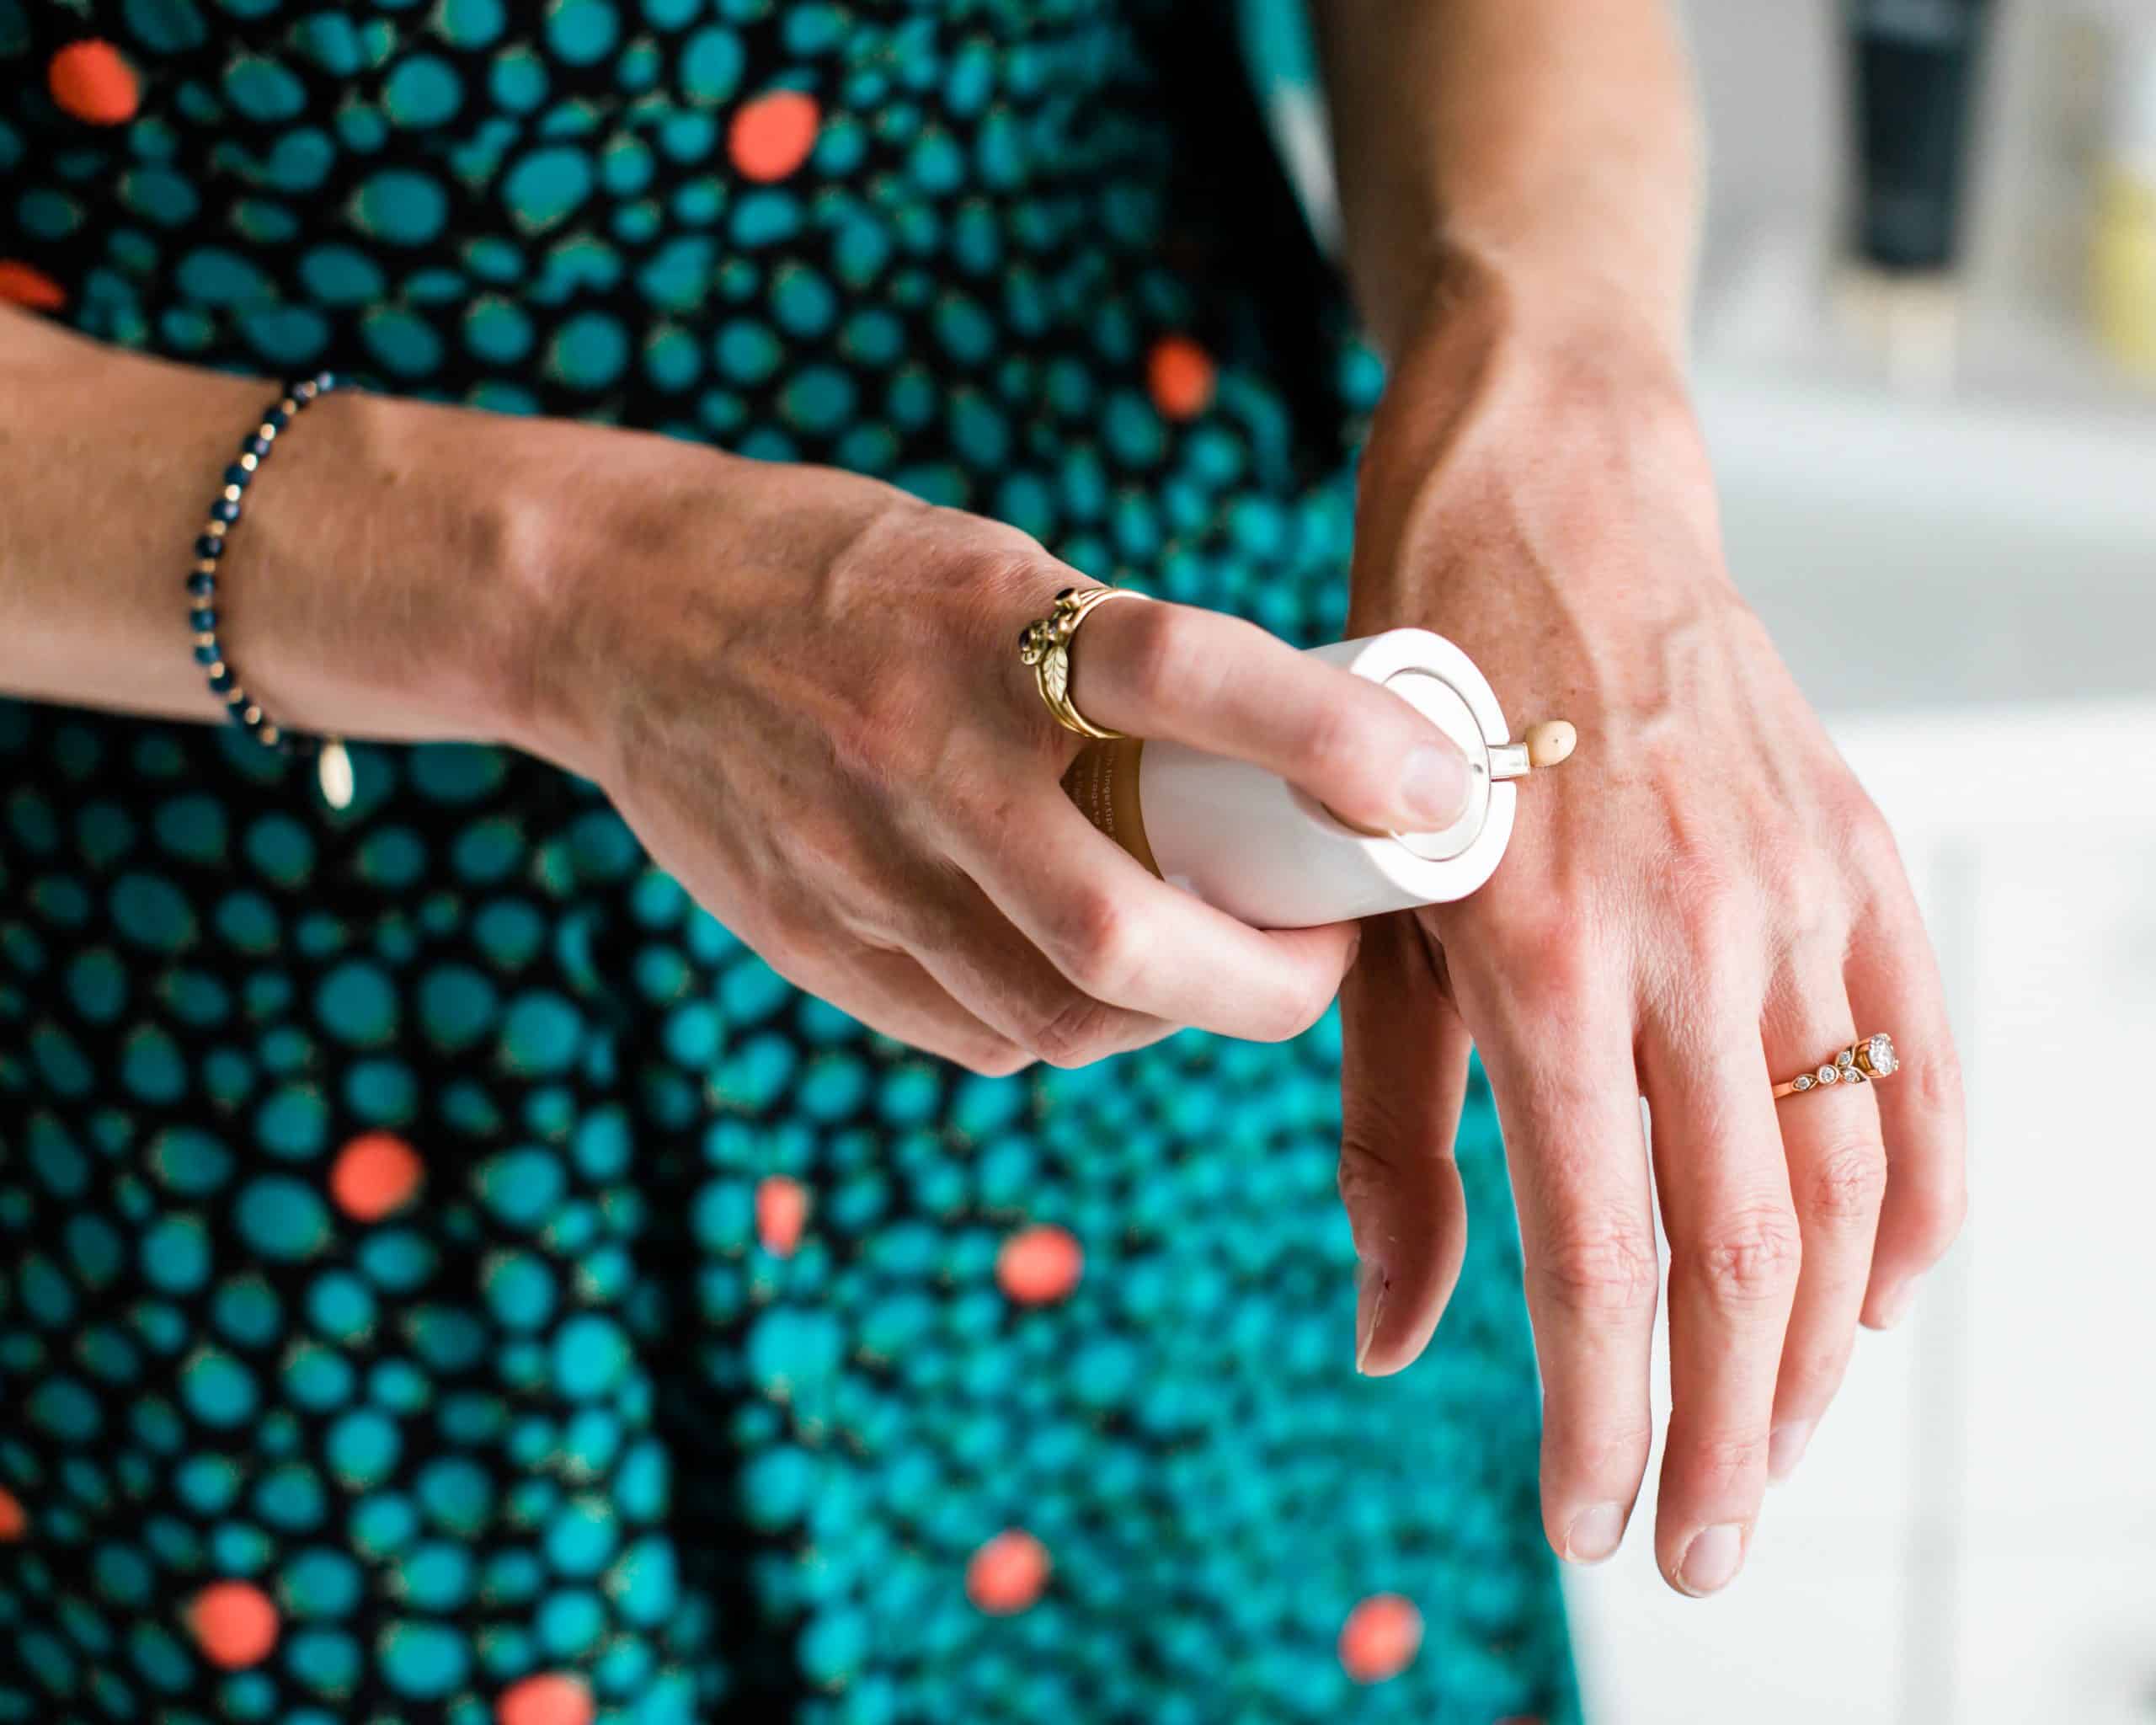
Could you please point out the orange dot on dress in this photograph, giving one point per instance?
(1180, 376)
(234, 1623)
(1007, 1574)
(90, 81)
(782, 1213)
(772, 136)
(1039, 1265)
(550, 1698)
(1380, 1638)
(374, 1174)
(22, 285)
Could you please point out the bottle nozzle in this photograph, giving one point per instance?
(1544, 745)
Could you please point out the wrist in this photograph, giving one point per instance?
(596, 539)
(386, 581)
(1545, 331)
(649, 566)
(1560, 283)
(1517, 421)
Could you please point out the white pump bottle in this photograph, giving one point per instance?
(1252, 845)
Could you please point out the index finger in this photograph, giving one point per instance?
(1225, 685)
(1126, 938)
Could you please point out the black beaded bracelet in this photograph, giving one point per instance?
(334, 768)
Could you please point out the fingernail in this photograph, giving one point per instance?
(1786, 1448)
(1594, 1533)
(1893, 1307)
(1433, 780)
(1369, 1303)
(1712, 1560)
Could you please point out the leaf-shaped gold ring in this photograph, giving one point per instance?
(1045, 645)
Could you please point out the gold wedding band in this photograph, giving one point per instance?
(1045, 645)
(1863, 1060)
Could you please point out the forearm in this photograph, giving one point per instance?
(1548, 148)
(381, 582)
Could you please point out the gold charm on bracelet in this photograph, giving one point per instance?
(332, 771)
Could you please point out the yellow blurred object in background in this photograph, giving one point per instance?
(2122, 267)
(2122, 254)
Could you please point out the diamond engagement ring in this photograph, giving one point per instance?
(1860, 1062)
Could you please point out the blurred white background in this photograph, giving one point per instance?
(1953, 536)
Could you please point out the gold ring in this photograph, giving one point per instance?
(1045, 645)
(1863, 1060)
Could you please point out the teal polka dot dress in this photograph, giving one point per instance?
(444, 1274)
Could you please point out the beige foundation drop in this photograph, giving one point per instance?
(1252, 845)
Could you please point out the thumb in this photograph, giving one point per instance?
(1403, 1078)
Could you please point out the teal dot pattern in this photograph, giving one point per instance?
(690, 1375)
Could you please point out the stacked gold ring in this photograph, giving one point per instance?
(1867, 1059)
(1045, 645)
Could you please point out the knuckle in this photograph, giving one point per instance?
(1813, 940)
(1074, 1033)
(1700, 864)
(1870, 861)
(861, 906)
(1602, 1267)
(1376, 1164)
(1719, 1460)
(1866, 835)
(995, 1058)
(1364, 1177)
(1295, 1011)
(1333, 749)
(1158, 654)
(1848, 1181)
(1000, 567)
(981, 803)
(875, 735)
(1011, 558)
(1596, 1447)
(1930, 1194)
(1716, 919)
(1786, 857)
(918, 920)
(787, 927)
(1374, 1126)
(860, 743)
(1804, 884)
(1953, 1210)
(1811, 1372)
(1936, 1218)
(1092, 941)
(1751, 1258)
(1937, 1077)
(1557, 958)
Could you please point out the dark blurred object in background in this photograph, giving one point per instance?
(1915, 65)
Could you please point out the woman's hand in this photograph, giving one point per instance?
(1700, 903)
(802, 689)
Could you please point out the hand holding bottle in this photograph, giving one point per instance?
(802, 689)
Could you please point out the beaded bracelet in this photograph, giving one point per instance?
(334, 767)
